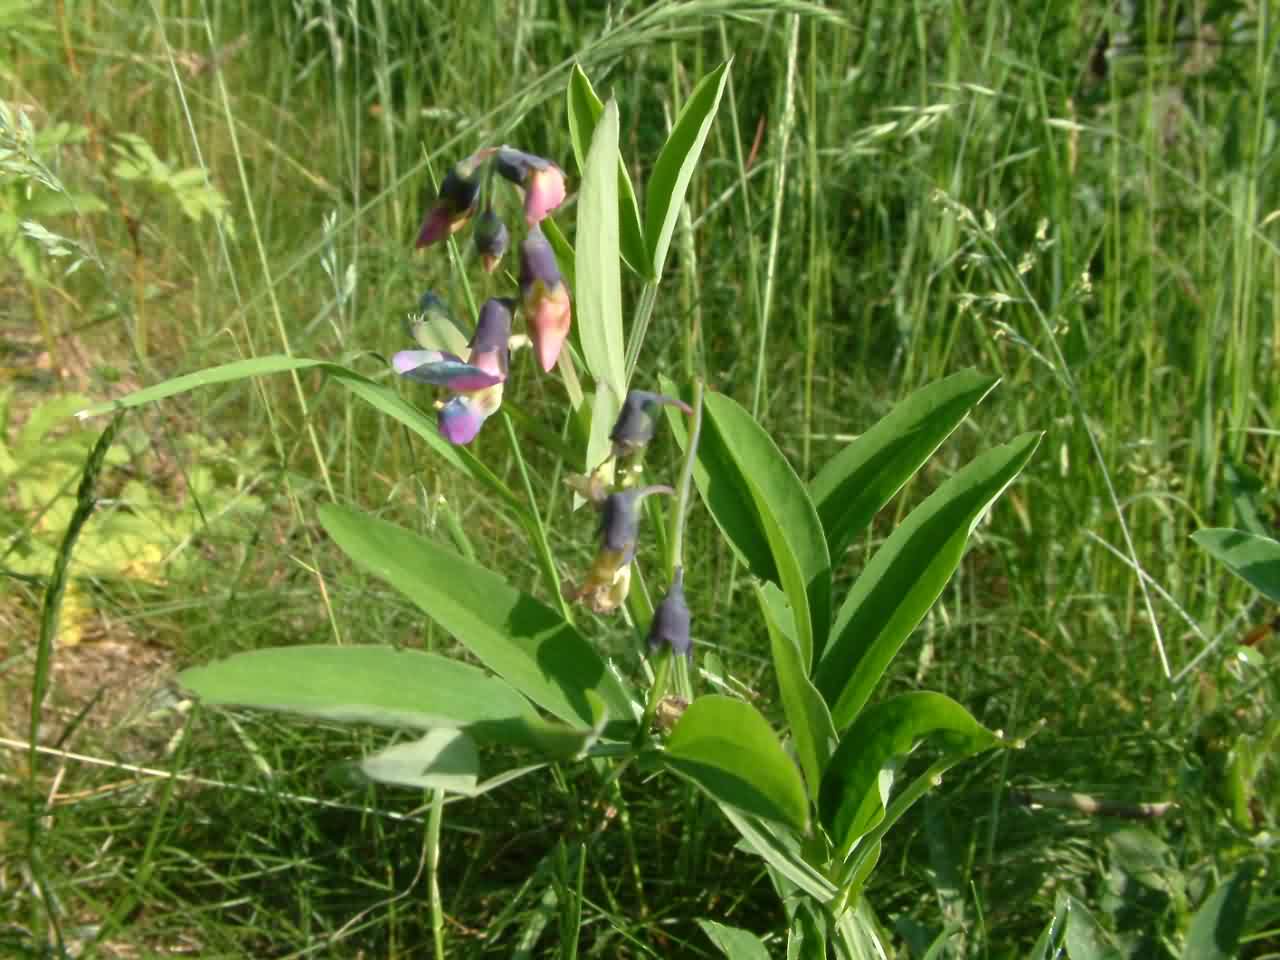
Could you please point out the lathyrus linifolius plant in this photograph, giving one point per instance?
(813, 802)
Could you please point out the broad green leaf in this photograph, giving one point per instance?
(906, 576)
(584, 109)
(1254, 559)
(807, 935)
(765, 511)
(598, 281)
(442, 760)
(730, 507)
(807, 713)
(359, 684)
(728, 749)
(734, 943)
(1084, 938)
(514, 635)
(851, 801)
(1219, 924)
(854, 484)
(378, 395)
(665, 192)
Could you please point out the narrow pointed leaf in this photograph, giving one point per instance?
(513, 634)
(807, 713)
(364, 684)
(729, 750)
(780, 851)
(598, 283)
(851, 800)
(442, 760)
(854, 484)
(1254, 559)
(376, 394)
(584, 109)
(669, 182)
(906, 576)
(763, 508)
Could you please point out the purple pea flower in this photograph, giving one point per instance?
(542, 180)
(545, 296)
(638, 421)
(459, 192)
(609, 579)
(670, 627)
(477, 382)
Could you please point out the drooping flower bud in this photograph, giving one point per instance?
(670, 627)
(546, 298)
(638, 421)
(489, 344)
(459, 192)
(492, 239)
(542, 180)
(609, 578)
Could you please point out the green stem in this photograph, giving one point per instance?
(661, 679)
(536, 528)
(675, 555)
(434, 824)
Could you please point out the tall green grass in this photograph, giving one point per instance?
(891, 192)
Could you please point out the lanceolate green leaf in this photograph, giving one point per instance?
(665, 192)
(728, 749)
(510, 632)
(860, 479)
(584, 109)
(807, 713)
(906, 575)
(1254, 559)
(599, 285)
(850, 802)
(755, 496)
(376, 394)
(365, 684)
(443, 760)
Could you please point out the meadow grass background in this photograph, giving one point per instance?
(1074, 197)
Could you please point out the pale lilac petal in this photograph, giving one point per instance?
(460, 420)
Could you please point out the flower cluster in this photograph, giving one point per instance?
(609, 578)
(477, 382)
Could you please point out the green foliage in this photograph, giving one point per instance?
(1254, 559)
(189, 188)
(727, 748)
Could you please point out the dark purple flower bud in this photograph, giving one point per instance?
(638, 420)
(620, 520)
(541, 179)
(459, 192)
(492, 240)
(671, 621)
